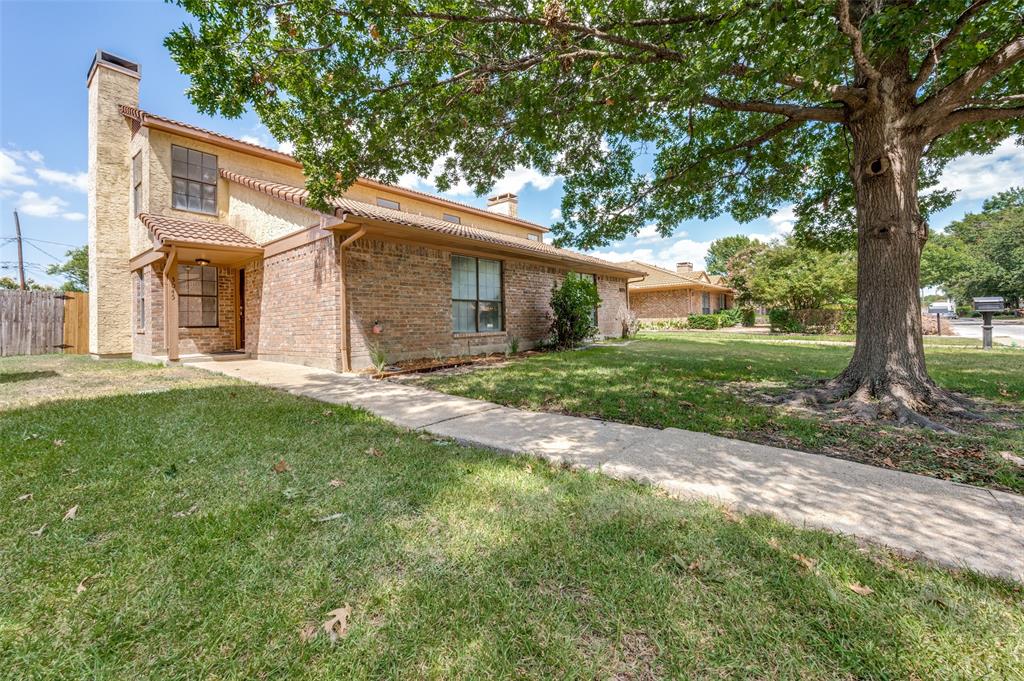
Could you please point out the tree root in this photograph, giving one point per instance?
(917, 405)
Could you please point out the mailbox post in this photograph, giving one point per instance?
(987, 306)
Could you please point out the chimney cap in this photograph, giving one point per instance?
(498, 198)
(113, 61)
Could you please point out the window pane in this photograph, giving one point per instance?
(195, 171)
(209, 311)
(490, 316)
(463, 277)
(210, 161)
(179, 201)
(195, 157)
(463, 316)
(209, 191)
(179, 153)
(209, 175)
(195, 203)
(179, 169)
(388, 203)
(209, 206)
(209, 273)
(452, 218)
(490, 280)
(180, 186)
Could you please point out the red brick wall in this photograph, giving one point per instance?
(291, 306)
(150, 342)
(671, 304)
(407, 288)
(218, 338)
(293, 314)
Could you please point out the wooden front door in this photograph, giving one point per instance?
(241, 309)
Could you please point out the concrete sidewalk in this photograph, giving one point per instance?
(952, 524)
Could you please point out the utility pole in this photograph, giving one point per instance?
(21, 260)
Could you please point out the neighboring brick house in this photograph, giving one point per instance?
(200, 243)
(664, 294)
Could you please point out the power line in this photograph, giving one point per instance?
(55, 243)
(49, 255)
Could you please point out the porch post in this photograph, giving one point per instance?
(171, 305)
(346, 350)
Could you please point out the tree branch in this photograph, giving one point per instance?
(959, 92)
(935, 54)
(854, 96)
(976, 115)
(860, 58)
(795, 111)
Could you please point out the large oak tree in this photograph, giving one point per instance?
(652, 111)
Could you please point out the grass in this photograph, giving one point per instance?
(456, 563)
(718, 383)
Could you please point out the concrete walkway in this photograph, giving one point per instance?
(952, 524)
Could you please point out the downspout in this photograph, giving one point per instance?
(346, 331)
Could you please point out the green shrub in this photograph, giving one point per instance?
(848, 321)
(702, 321)
(749, 317)
(727, 318)
(783, 321)
(572, 305)
(663, 325)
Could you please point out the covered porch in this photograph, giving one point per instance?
(189, 291)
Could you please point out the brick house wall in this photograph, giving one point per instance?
(292, 306)
(220, 338)
(148, 341)
(407, 289)
(671, 303)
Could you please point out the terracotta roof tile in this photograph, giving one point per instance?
(193, 231)
(659, 277)
(299, 196)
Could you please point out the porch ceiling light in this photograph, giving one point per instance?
(203, 262)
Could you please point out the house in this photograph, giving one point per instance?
(200, 243)
(664, 294)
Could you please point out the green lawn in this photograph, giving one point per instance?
(718, 383)
(201, 561)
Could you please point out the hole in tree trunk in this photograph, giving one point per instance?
(877, 167)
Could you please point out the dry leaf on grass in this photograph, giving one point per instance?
(71, 513)
(58, 443)
(308, 632)
(281, 466)
(860, 589)
(25, 497)
(336, 483)
(373, 451)
(181, 514)
(84, 584)
(808, 563)
(328, 518)
(888, 462)
(39, 532)
(336, 625)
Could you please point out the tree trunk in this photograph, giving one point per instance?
(887, 376)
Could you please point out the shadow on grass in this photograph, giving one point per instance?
(456, 562)
(19, 376)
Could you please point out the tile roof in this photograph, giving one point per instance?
(299, 196)
(139, 116)
(193, 231)
(659, 277)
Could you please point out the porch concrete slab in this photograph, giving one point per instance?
(949, 523)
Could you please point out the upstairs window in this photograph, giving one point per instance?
(197, 296)
(388, 203)
(137, 183)
(533, 237)
(476, 295)
(194, 180)
(448, 217)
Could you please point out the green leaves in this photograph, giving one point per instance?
(651, 113)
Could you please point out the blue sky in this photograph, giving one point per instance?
(45, 50)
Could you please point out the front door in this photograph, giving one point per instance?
(241, 309)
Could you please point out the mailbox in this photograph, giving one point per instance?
(989, 304)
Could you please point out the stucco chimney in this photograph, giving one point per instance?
(112, 81)
(682, 267)
(506, 204)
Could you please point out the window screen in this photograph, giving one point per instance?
(388, 203)
(194, 180)
(476, 295)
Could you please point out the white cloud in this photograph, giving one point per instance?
(512, 182)
(253, 139)
(12, 172)
(519, 177)
(286, 147)
(556, 214)
(31, 203)
(77, 181)
(680, 250)
(979, 177)
(782, 221)
(34, 156)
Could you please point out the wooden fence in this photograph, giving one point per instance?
(39, 322)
